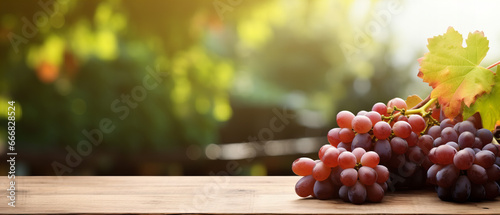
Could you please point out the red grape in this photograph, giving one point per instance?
(382, 173)
(333, 136)
(464, 159)
(417, 123)
(445, 154)
(321, 172)
(344, 119)
(382, 130)
(346, 135)
(323, 149)
(361, 124)
(374, 117)
(397, 102)
(349, 177)
(402, 129)
(330, 158)
(370, 159)
(380, 108)
(358, 152)
(347, 160)
(367, 175)
(303, 166)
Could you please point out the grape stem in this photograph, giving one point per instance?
(422, 110)
(493, 65)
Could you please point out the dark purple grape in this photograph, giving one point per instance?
(454, 145)
(415, 154)
(485, 158)
(449, 134)
(477, 192)
(491, 190)
(447, 176)
(467, 126)
(343, 193)
(374, 193)
(491, 147)
(484, 135)
(412, 140)
(346, 146)
(432, 172)
(444, 193)
(466, 139)
(399, 145)
(425, 142)
(335, 176)
(477, 143)
(357, 193)
(384, 151)
(462, 189)
(427, 163)
(446, 123)
(493, 173)
(305, 186)
(434, 131)
(437, 142)
(477, 174)
(384, 186)
(476, 150)
(323, 189)
(362, 140)
(457, 126)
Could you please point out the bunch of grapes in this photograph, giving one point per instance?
(353, 176)
(466, 163)
(399, 147)
(394, 136)
(361, 177)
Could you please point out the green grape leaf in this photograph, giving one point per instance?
(488, 106)
(454, 72)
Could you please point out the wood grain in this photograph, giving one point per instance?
(206, 195)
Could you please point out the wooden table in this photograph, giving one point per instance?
(207, 195)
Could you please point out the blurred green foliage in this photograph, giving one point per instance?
(214, 57)
(67, 78)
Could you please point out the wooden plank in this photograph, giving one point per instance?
(208, 195)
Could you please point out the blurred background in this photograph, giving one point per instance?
(206, 87)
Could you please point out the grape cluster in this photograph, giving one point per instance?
(352, 176)
(392, 135)
(361, 177)
(394, 146)
(466, 163)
